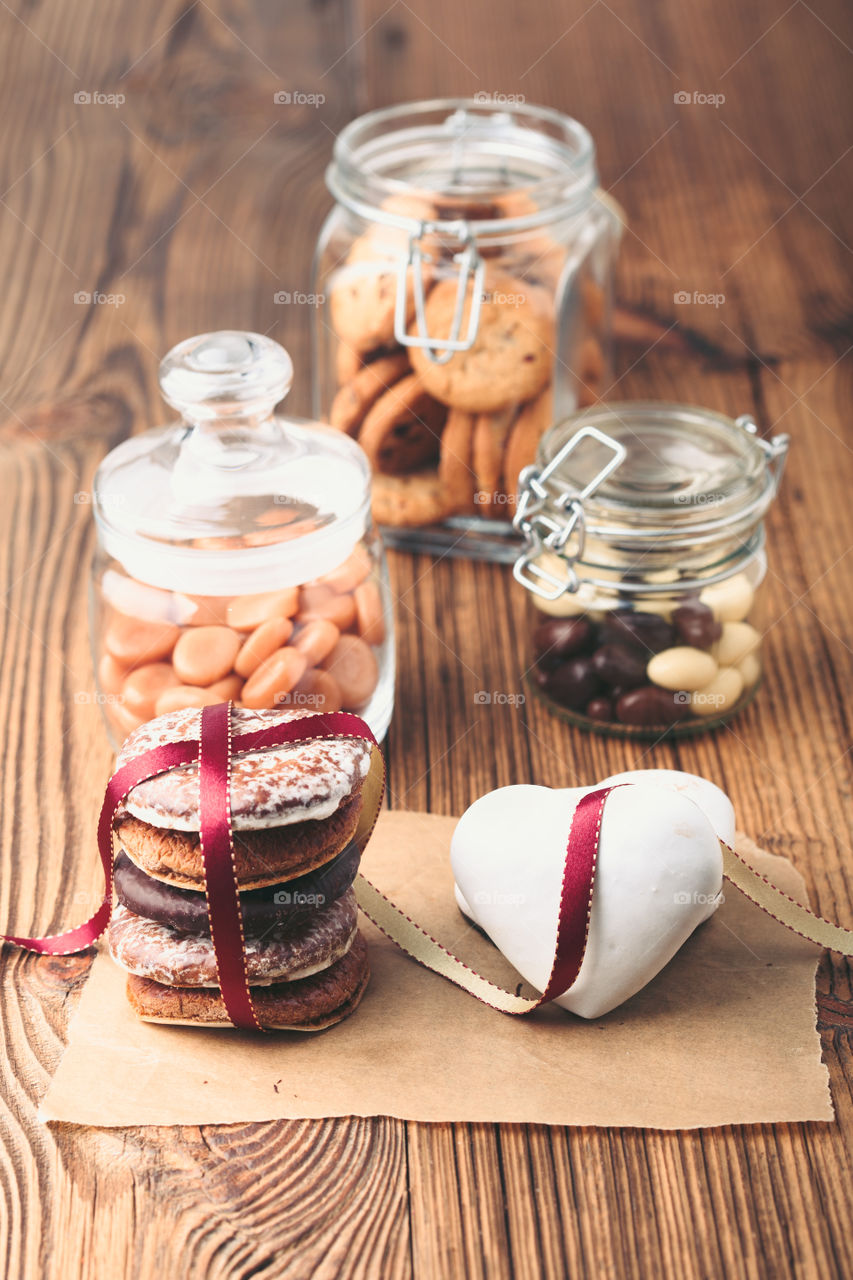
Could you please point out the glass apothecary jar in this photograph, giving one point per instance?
(236, 554)
(464, 282)
(644, 557)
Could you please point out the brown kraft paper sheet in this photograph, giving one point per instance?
(724, 1035)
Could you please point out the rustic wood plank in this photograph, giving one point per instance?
(197, 201)
(702, 186)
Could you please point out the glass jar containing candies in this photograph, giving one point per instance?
(644, 558)
(237, 558)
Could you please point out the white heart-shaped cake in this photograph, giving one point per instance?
(659, 874)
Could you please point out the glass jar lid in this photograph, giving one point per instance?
(683, 466)
(461, 176)
(646, 478)
(464, 149)
(232, 498)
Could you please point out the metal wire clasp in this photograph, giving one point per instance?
(411, 268)
(549, 513)
(775, 449)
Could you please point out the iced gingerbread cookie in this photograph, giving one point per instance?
(302, 1004)
(276, 954)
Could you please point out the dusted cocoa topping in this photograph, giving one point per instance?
(153, 950)
(308, 1004)
(269, 788)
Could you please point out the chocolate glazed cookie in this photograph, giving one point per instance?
(290, 905)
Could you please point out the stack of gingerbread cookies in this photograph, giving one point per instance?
(450, 438)
(294, 810)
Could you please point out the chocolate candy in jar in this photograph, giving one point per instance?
(236, 555)
(644, 558)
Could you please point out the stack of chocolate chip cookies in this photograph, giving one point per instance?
(295, 810)
(450, 438)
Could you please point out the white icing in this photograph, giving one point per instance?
(149, 949)
(713, 801)
(659, 875)
(272, 788)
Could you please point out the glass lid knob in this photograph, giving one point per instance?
(227, 375)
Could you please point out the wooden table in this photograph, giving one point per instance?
(192, 202)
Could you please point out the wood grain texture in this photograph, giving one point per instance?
(196, 200)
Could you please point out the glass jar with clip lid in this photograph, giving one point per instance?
(644, 556)
(236, 557)
(463, 283)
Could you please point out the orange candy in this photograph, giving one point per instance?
(369, 616)
(110, 674)
(204, 611)
(354, 666)
(205, 654)
(229, 689)
(143, 687)
(317, 639)
(268, 649)
(247, 612)
(263, 641)
(317, 691)
(132, 641)
(348, 575)
(323, 602)
(123, 719)
(274, 678)
(185, 695)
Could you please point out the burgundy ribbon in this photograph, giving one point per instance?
(214, 749)
(576, 893)
(220, 873)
